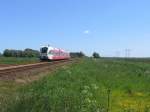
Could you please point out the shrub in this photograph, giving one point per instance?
(96, 55)
(31, 53)
(77, 54)
(7, 53)
(19, 53)
(0, 54)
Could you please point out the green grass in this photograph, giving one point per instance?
(18, 60)
(84, 87)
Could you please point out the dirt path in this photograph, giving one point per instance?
(28, 75)
(5, 65)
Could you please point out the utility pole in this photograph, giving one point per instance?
(127, 53)
(117, 53)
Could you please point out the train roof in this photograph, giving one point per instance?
(53, 48)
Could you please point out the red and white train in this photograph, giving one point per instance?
(51, 53)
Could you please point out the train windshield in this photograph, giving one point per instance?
(44, 50)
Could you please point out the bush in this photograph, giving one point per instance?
(7, 53)
(96, 55)
(19, 53)
(31, 53)
(77, 54)
(0, 54)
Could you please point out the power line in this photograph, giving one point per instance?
(127, 53)
(117, 54)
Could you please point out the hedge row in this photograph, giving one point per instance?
(77, 54)
(19, 53)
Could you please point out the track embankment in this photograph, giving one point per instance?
(29, 70)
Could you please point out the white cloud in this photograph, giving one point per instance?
(86, 32)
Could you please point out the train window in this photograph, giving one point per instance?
(50, 52)
(54, 53)
(44, 50)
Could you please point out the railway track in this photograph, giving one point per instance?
(19, 68)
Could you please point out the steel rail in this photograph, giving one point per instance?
(6, 70)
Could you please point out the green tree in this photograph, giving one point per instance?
(19, 53)
(96, 55)
(31, 53)
(7, 53)
(81, 54)
(77, 54)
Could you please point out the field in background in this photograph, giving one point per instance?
(93, 85)
(18, 60)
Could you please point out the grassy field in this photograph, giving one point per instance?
(14, 60)
(102, 85)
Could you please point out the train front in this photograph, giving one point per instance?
(44, 53)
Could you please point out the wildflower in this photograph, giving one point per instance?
(17, 98)
(90, 94)
(88, 100)
(84, 91)
(139, 94)
(86, 87)
(68, 71)
(94, 86)
(106, 66)
(94, 101)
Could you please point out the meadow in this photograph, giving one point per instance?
(17, 60)
(92, 85)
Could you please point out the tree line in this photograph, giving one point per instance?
(21, 53)
(35, 53)
(96, 55)
(81, 54)
(77, 54)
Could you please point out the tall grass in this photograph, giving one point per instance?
(17, 60)
(90, 86)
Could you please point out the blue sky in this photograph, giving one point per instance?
(105, 26)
